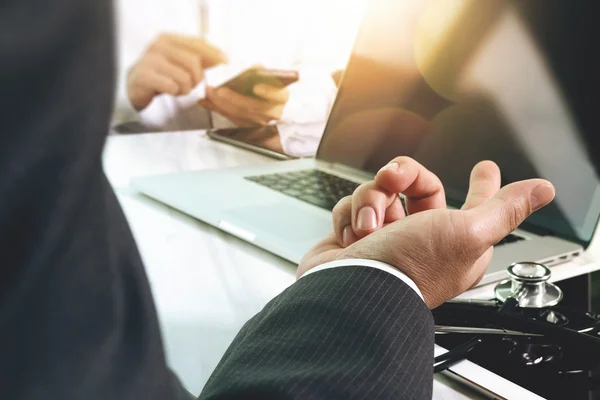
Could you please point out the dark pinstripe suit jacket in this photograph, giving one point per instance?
(343, 333)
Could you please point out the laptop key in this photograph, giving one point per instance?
(312, 186)
(292, 192)
(318, 201)
(310, 191)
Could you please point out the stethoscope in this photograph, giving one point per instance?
(526, 309)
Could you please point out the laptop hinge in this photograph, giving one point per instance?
(344, 171)
(538, 230)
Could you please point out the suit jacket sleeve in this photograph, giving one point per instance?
(349, 332)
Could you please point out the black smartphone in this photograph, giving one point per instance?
(244, 82)
(283, 142)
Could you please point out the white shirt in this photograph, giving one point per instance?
(370, 264)
(313, 37)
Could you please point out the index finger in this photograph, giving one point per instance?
(210, 54)
(483, 184)
(271, 93)
(422, 188)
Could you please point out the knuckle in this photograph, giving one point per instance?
(154, 58)
(342, 205)
(159, 43)
(404, 160)
(173, 87)
(188, 80)
(186, 60)
(192, 63)
(361, 189)
(517, 211)
(163, 38)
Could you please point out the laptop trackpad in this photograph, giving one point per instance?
(284, 220)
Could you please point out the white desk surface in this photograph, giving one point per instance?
(206, 283)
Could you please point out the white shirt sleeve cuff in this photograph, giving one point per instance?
(370, 264)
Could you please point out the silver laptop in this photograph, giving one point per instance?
(477, 84)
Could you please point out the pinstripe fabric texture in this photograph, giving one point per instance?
(342, 333)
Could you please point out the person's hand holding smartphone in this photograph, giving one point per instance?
(254, 97)
(172, 64)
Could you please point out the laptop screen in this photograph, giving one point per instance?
(454, 82)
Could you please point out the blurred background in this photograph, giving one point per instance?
(314, 37)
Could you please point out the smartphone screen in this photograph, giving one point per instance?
(278, 141)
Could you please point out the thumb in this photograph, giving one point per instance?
(503, 213)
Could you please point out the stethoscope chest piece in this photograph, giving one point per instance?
(528, 284)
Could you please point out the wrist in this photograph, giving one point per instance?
(418, 275)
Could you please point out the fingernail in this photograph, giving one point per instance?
(367, 219)
(541, 195)
(346, 236)
(391, 166)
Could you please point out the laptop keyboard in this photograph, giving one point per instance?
(311, 186)
(322, 190)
